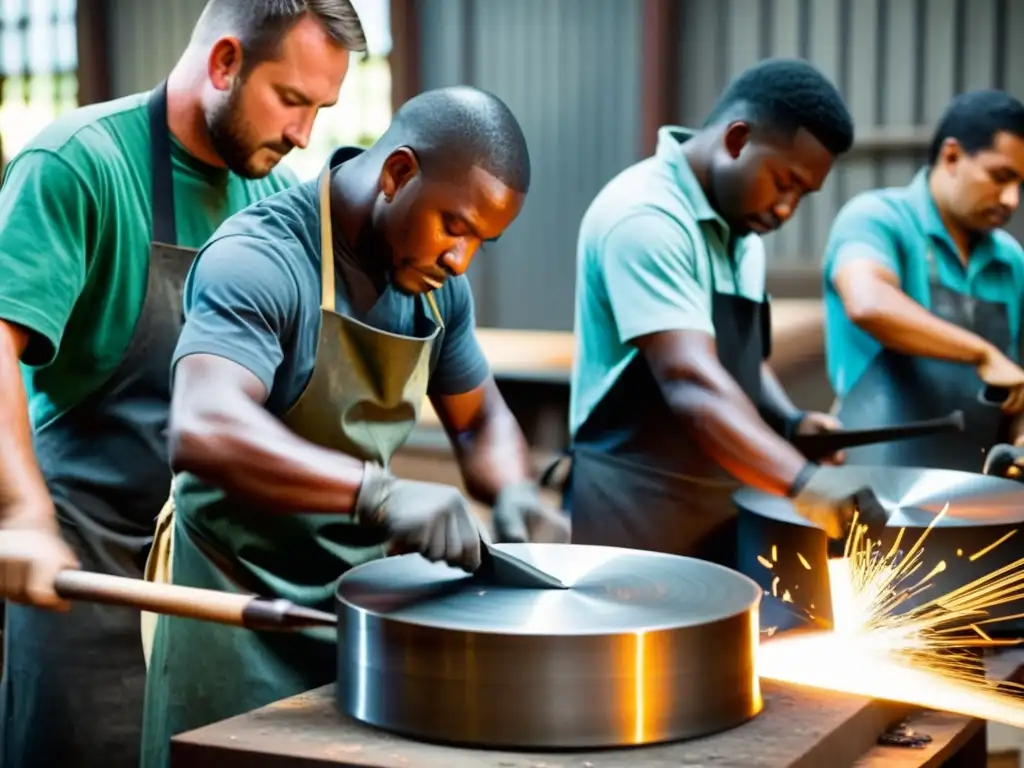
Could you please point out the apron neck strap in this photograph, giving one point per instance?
(161, 190)
(434, 310)
(326, 243)
(933, 268)
(327, 252)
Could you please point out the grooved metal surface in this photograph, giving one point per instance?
(897, 62)
(570, 70)
(147, 39)
(641, 648)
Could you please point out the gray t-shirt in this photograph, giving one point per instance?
(253, 297)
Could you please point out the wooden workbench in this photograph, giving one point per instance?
(533, 368)
(798, 728)
(538, 364)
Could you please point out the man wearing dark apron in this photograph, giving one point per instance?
(298, 377)
(101, 216)
(672, 402)
(923, 294)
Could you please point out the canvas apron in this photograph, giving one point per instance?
(363, 399)
(638, 480)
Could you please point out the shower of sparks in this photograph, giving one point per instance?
(919, 656)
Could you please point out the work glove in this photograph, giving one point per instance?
(430, 518)
(825, 497)
(32, 553)
(1005, 461)
(520, 515)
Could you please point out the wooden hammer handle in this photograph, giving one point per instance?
(169, 599)
(236, 610)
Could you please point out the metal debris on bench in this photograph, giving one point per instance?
(902, 735)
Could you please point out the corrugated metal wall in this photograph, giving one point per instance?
(569, 69)
(898, 62)
(146, 39)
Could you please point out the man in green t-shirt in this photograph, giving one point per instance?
(99, 219)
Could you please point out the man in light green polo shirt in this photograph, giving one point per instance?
(923, 293)
(672, 404)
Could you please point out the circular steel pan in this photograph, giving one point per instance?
(643, 647)
(982, 510)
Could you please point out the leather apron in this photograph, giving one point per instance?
(637, 480)
(73, 682)
(363, 399)
(897, 388)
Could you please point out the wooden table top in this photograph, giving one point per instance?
(798, 727)
(512, 351)
(797, 336)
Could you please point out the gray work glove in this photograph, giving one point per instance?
(430, 518)
(520, 515)
(825, 497)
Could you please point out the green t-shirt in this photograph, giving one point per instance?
(75, 227)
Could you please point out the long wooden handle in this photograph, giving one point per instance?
(188, 602)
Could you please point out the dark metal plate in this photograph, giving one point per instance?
(642, 647)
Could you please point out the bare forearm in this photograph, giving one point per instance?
(775, 405)
(900, 324)
(728, 428)
(22, 487)
(248, 453)
(493, 454)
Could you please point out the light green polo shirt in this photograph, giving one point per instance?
(898, 227)
(651, 251)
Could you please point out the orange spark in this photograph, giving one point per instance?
(916, 657)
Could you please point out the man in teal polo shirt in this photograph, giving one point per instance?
(672, 404)
(923, 293)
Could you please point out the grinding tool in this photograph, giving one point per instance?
(642, 647)
(1002, 460)
(993, 395)
(1005, 461)
(787, 556)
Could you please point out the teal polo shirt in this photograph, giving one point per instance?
(898, 227)
(650, 254)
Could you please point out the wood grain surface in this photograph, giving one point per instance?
(797, 338)
(798, 728)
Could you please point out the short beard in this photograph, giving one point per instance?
(232, 137)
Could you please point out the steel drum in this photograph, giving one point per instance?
(982, 511)
(643, 647)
